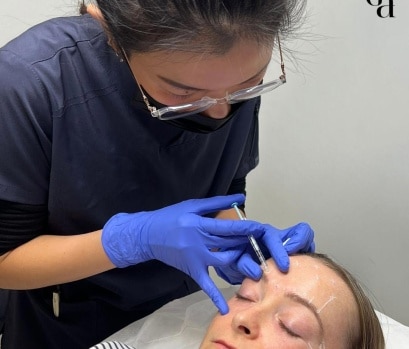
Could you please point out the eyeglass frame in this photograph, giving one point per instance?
(206, 102)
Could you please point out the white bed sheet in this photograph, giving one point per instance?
(181, 324)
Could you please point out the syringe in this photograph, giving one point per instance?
(253, 242)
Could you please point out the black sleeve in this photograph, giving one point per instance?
(238, 186)
(20, 223)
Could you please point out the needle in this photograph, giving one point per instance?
(253, 241)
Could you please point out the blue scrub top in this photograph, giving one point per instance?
(75, 136)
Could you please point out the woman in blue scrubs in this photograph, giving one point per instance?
(126, 135)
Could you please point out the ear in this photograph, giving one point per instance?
(95, 13)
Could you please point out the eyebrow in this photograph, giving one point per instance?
(191, 88)
(297, 298)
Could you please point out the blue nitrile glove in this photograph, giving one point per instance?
(179, 236)
(301, 239)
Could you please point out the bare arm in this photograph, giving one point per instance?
(50, 260)
(228, 214)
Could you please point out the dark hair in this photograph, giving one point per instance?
(369, 335)
(198, 26)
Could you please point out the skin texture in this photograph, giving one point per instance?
(269, 314)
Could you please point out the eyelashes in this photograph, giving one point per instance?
(242, 298)
(288, 330)
(282, 325)
(179, 97)
(188, 94)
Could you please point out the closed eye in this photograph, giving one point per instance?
(189, 94)
(288, 330)
(242, 298)
(180, 97)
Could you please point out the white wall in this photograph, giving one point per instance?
(15, 17)
(335, 146)
(334, 140)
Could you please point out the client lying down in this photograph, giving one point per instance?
(317, 304)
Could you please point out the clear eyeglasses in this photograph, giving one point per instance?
(182, 110)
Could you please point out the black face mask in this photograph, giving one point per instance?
(203, 124)
(196, 122)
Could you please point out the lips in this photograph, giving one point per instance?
(223, 345)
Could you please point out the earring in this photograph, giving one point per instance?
(114, 47)
(120, 57)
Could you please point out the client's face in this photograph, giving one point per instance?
(309, 307)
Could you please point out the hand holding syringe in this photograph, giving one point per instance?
(253, 241)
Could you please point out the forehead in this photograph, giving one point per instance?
(319, 285)
(307, 275)
(309, 279)
(203, 71)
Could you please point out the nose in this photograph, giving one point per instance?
(247, 323)
(217, 111)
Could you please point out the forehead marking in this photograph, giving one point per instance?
(321, 346)
(331, 299)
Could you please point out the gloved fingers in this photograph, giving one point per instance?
(274, 244)
(209, 287)
(225, 242)
(311, 249)
(237, 260)
(272, 241)
(230, 228)
(300, 238)
(248, 267)
(230, 274)
(234, 273)
(216, 203)
(223, 257)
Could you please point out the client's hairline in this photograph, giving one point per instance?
(370, 334)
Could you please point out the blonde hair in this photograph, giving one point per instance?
(369, 335)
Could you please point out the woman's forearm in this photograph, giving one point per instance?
(50, 260)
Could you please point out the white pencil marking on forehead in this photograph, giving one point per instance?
(321, 346)
(331, 299)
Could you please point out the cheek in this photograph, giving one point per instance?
(223, 323)
(220, 323)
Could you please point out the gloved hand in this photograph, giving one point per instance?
(301, 239)
(179, 236)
